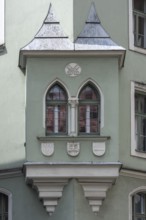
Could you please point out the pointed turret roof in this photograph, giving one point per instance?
(52, 41)
(50, 36)
(93, 36)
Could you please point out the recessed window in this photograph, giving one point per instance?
(139, 206)
(137, 25)
(56, 110)
(139, 16)
(140, 121)
(3, 206)
(89, 110)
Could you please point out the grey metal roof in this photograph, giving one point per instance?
(52, 41)
(50, 36)
(93, 36)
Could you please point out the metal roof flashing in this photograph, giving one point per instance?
(52, 41)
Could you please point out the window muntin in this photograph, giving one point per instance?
(89, 110)
(139, 19)
(139, 206)
(3, 207)
(140, 121)
(56, 110)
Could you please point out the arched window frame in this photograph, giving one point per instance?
(101, 105)
(142, 190)
(61, 85)
(9, 195)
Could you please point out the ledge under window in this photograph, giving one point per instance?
(72, 138)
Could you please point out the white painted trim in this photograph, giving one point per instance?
(131, 35)
(135, 87)
(2, 22)
(139, 189)
(101, 98)
(24, 54)
(9, 194)
(133, 174)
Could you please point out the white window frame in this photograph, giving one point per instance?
(2, 34)
(9, 194)
(135, 191)
(131, 32)
(135, 87)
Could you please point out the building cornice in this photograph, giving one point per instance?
(10, 173)
(133, 173)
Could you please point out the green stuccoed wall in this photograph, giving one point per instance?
(40, 73)
(73, 205)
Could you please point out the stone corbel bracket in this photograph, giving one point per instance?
(49, 180)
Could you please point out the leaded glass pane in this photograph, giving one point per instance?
(82, 118)
(94, 125)
(88, 93)
(62, 118)
(50, 119)
(56, 93)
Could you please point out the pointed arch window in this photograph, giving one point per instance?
(89, 110)
(56, 110)
(3, 206)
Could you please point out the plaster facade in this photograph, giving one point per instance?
(23, 86)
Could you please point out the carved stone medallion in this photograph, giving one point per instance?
(73, 149)
(98, 148)
(47, 148)
(72, 69)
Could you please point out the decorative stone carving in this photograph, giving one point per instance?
(95, 192)
(47, 148)
(72, 69)
(98, 148)
(73, 149)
